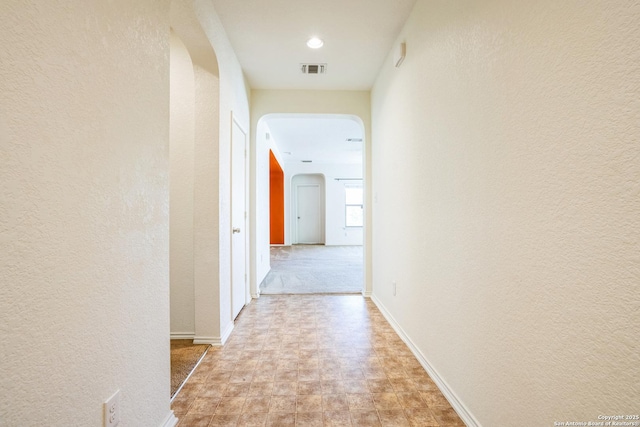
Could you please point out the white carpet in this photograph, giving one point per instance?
(308, 269)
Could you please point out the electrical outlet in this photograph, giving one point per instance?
(112, 410)
(394, 289)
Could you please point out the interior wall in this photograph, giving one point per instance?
(206, 206)
(218, 91)
(84, 211)
(181, 196)
(276, 201)
(234, 100)
(264, 102)
(508, 140)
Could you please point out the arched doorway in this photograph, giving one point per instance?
(316, 180)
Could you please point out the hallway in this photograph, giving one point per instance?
(311, 360)
(499, 148)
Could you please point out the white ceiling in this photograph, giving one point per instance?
(269, 38)
(322, 139)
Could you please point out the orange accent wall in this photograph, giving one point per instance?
(276, 200)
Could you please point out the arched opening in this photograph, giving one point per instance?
(194, 194)
(322, 160)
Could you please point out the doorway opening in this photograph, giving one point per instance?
(313, 225)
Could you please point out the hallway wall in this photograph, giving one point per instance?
(508, 140)
(84, 225)
(181, 190)
(234, 101)
(213, 88)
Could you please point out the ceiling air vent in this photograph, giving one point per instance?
(313, 68)
(307, 161)
(354, 139)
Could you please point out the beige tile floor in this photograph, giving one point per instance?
(312, 360)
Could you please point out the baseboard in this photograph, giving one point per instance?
(170, 420)
(215, 341)
(182, 335)
(226, 333)
(366, 294)
(448, 393)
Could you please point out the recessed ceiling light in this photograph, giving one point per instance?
(315, 43)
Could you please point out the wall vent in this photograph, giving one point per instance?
(313, 68)
(306, 161)
(354, 139)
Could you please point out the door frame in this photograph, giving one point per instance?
(307, 179)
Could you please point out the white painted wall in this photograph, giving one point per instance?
(206, 207)
(181, 195)
(264, 102)
(234, 99)
(84, 211)
(215, 90)
(508, 143)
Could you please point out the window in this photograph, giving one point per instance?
(354, 197)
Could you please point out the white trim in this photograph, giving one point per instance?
(462, 411)
(182, 335)
(215, 341)
(226, 333)
(170, 420)
(367, 294)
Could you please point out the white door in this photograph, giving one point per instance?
(238, 220)
(308, 213)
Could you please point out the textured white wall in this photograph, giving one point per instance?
(508, 141)
(206, 239)
(215, 89)
(84, 222)
(263, 102)
(182, 181)
(234, 100)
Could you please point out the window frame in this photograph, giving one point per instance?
(352, 205)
